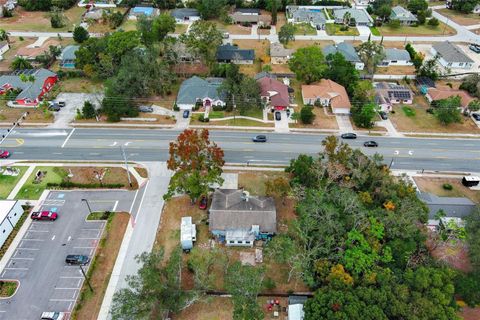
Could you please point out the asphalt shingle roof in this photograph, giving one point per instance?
(183, 13)
(68, 53)
(198, 88)
(30, 90)
(452, 206)
(402, 14)
(396, 54)
(451, 53)
(307, 16)
(230, 52)
(346, 49)
(360, 15)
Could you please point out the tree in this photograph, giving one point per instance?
(473, 106)
(448, 110)
(394, 23)
(57, 19)
(241, 92)
(273, 6)
(371, 54)
(88, 110)
(362, 93)
(363, 115)
(203, 39)
(464, 6)
(417, 5)
(4, 35)
(430, 69)
(20, 63)
(306, 115)
(286, 33)
(162, 25)
(308, 64)
(342, 72)
(80, 34)
(115, 19)
(244, 284)
(155, 286)
(471, 83)
(278, 188)
(384, 11)
(201, 263)
(197, 164)
(472, 229)
(421, 17)
(302, 171)
(416, 58)
(209, 9)
(433, 22)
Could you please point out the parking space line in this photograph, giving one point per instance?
(115, 206)
(69, 306)
(24, 239)
(22, 258)
(65, 277)
(66, 288)
(64, 300)
(31, 230)
(88, 238)
(83, 247)
(15, 268)
(32, 249)
(90, 229)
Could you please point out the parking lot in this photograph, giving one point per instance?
(46, 282)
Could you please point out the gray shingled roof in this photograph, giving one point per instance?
(230, 211)
(450, 52)
(346, 49)
(68, 53)
(278, 50)
(182, 13)
(360, 15)
(248, 10)
(198, 88)
(396, 54)
(308, 16)
(230, 52)
(453, 207)
(30, 90)
(402, 14)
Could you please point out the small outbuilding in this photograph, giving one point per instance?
(188, 233)
(470, 181)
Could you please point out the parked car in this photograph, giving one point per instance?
(278, 116)
(61, 103)
(203, 203)
(383, 115)
(53, 316)
(226, 35)
(145, 109)
(54, 107)
(44, 215)
(288, 113)
(186, 113)
(475, 116)
(77, 259)
(370, 144)
(260, 138)
(4, 154)
(349, 135)
(474, 47)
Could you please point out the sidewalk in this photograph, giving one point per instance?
(387, 124)
(21, 182)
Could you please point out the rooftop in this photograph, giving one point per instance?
(68, 53)
(231, 52)
(346, 49)
(451, 53)
(452, 206)
(328, 89)
(360, 15)
(30, 89)
(394, 54)
(402, 14)
(276, 90)
(197, 88)
(5, 207)
(182, 13)
(278, 50)
(443, 93)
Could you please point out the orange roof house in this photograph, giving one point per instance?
(434, 94)
(327, 93)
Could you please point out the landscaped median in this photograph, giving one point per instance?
(251, 118)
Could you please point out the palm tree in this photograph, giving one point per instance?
(4, 35)
(346, 18)
(20, 63)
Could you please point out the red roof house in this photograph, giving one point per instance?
(274, 92)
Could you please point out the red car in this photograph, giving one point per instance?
(4, 154)
(203, 203)
(44, 215)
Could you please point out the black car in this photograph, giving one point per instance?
(278, 116)
(54, 107)
(383, 115)
(349, 135)
(476, 116)
(260, 138)
(475, 48)
(370, 144)
(77, 259)
(186, 113)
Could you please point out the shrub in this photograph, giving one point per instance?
(217, 108)
(447, 186)
(394, 24)
(202, 118)
(306, 115)
(71, 185)
(269, 283)
(175, 107)
(433, 22)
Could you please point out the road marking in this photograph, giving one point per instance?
(141, 201)
(134, 198)
(69, 238)
(53, 238)
(83, 247)
(15, 268)
(16, 152)
(32, 249)
(25, 239)
(70, 306)
(65, 277)
(22, 258)
(113, 144)
(59, 153)
(63, 300)
(88, 238)
(94, 154)
(115, 206)
(68, 138)
(31, 230)
(66, 288)
(126, 143)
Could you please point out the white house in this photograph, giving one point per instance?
(4, 47)
(396, 57)
(451, 56)
(10, 213)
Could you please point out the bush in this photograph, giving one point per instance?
(306, 115)
(447, 186)
(466, 285)
(202, 118)
(433, 22)
(269, 283)
(175, 107)
(394, 24)
(88, 110)
(217, 108)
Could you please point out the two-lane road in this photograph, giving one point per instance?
(152, 145)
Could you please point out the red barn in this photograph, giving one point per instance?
(33, 83)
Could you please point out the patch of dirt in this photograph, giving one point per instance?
(285, 213)
(104, 261)
(111, 175)
(142, 172)
(254, 181)
(468, 313)
(208, 308)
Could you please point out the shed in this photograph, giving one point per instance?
(470, 181)
(295, 307)
(10, 213)
(188, 233)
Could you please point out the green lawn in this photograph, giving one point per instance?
(40, 21)
(304, 29)
(241, 123)
(333, 29)
(32, 191)
(375, 31)
(422, 30)
(408, 111)
(7, 183)
(216, 114)
(254, 113)
(128, 25)
(180, 28)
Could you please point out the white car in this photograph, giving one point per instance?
(53, 316)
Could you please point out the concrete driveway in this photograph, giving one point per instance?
(38, 263)
(73, 101)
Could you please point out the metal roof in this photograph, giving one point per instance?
(68, 53)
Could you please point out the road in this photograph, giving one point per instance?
(152, 145)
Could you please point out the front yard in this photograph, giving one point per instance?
(304, 29)
(334, 29)
(460, 18)
(7, 183)
(422, 30)
(435, 185)
(40, 21)
(79, 85)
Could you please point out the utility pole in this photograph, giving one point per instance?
(86, 278)
(126, 165)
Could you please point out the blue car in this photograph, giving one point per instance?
(186, 113)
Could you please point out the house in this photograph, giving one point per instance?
(138, 11)
(185, 15)
(10, 213)
(327, 93)
(4, 47)
(196, 90)
(264, 74)
(67, 57)
(434, 94)
(274, 93)
(387, 94)
(396, 57)
(228, 53)
(451, 56)
(311, 15)
(348, 52)
(454, 207)
(239, 219)
(278, 53)
(295, 307)
(188, 233)
(31, 92)
(358, 16)
(250, 16)
(94, 14)
(403, 15)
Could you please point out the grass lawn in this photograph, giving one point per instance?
(460, 18)
(333, 29)
(40, 21)
(240, 123)
(216, 114)
(435, 3)
(7, 183)
(422, 30)
(208, 308)
(128, 25)
(408, 111)
(297, 44)
(402, 70)
(7, 288)
(375, 31)
(180, 28)
(435, 186)
(89, 302)
(31, 190)
(254, 181)
(82, 85)
(304, 29)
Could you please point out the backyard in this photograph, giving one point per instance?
(421, 30)
(334, 29)
(297, 44)
(8, 182)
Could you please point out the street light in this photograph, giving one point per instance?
(126, 165)
(88, 205)
(85, 276)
